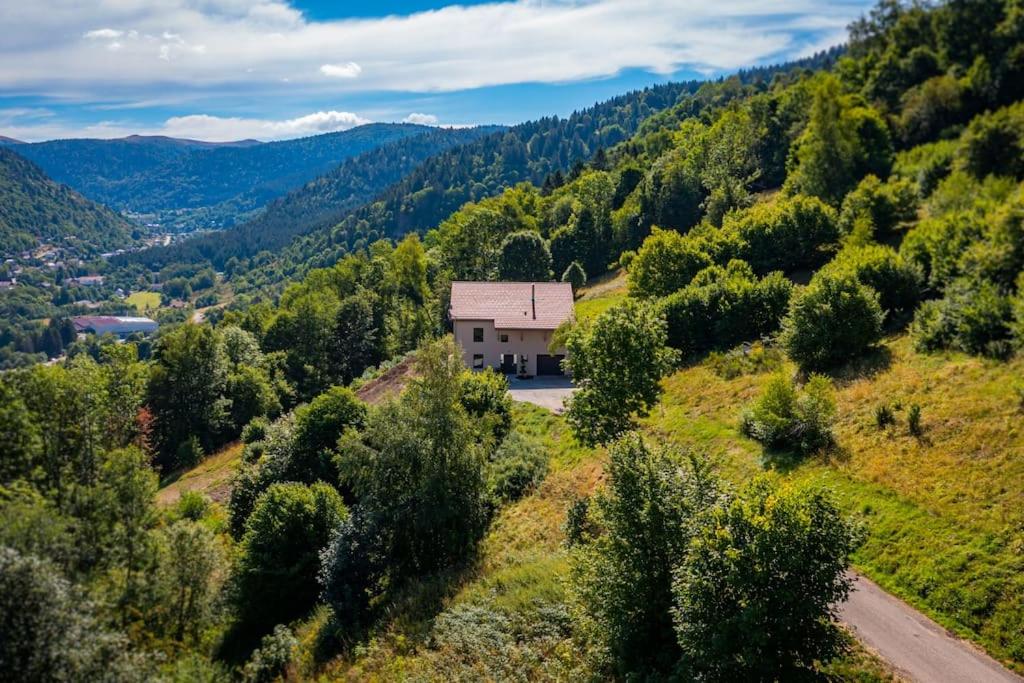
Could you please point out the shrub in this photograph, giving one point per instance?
(883, 205)
(723, 307)
(318, 426)
(576, 276)
(757, 596)
(914, 425)
(617, 361)
(937, 244)
(973, 317)
(269, 662)
(897, 281)
(787, 234)
(834, 319)
(518, 466)
(665, 263)
(993, 143)
(926, 165)
(746, 360)
(192, 505)
(256, 430)
(884, 416)
(785, 417)
(485, 397)
(578, 527)
(280, 551)
(190, 452)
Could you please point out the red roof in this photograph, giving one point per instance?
(513, 305)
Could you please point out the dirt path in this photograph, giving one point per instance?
(916, 646)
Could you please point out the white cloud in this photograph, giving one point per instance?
(203, 44)
(422, 119)
(349, 70)
(32, 125)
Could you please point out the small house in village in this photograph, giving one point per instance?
(508, 325)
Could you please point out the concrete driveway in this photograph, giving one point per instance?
(547, 392)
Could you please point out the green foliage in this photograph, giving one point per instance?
(617, 362)
(994, 143)
(318, 427)
(787, 417)
(757, 595)
(873, 210)
(665, 263)
(974, 316)
(275, 576)
(621, 580)
(34, 209)
(269, 662)
(787, 234)
(748, 359)
(926, 165)
(897, 281)
(723, 307)
(486, 399)
(834, 319)
(576, 276)
(524, 257)
(19, 435)
(518, 465)
(914, 425)
(51, 632)
(671, 193)
(884, 416)
(417, 471)
(840, 144)
(191, 565)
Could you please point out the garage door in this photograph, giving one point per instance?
(549, 365)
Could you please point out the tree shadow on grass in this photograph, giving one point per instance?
(875, 361)
(785, 461)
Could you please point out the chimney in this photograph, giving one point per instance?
(533, 300)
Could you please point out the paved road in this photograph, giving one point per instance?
(546, 392)
(916, 646)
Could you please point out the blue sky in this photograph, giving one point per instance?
(273, 69)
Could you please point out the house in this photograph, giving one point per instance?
(121, 326)
(88, 280)
(508, 325)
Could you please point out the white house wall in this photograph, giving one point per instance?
(529, 342)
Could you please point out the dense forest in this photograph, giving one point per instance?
(788, 218)
(34, 209)
(318, 203)
(152, 175)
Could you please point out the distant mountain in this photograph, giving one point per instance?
(34, 208)
(4, 140)
(318, 204)
(148, 174)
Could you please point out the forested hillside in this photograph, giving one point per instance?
(807, 360)
(317, 204)
(34, 210)
(158, 174)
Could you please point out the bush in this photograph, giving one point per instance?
(723, 307)
(914, 425)
(256, 430)
(318, 426)
(926, 165)
(757, 596)
(788, 234)
(269, 662)
(974, 317)
(884, 416)
(897, 281)
(518, 466)
(280, 551)
(190, 453)
(784, 417)
(993, 143)
(576, 276)
(485, 397)
(749, 359)
(834, 319)
(665, 263)
(192, 505)
(883, 206)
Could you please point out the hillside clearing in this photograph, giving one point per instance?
(144, 301)
(211, 477)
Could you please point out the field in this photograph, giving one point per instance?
(144, 301)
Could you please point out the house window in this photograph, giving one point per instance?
(504, 339)
(478, 361)
(478, 334)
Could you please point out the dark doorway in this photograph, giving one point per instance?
(549, 365)
(508, 363)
